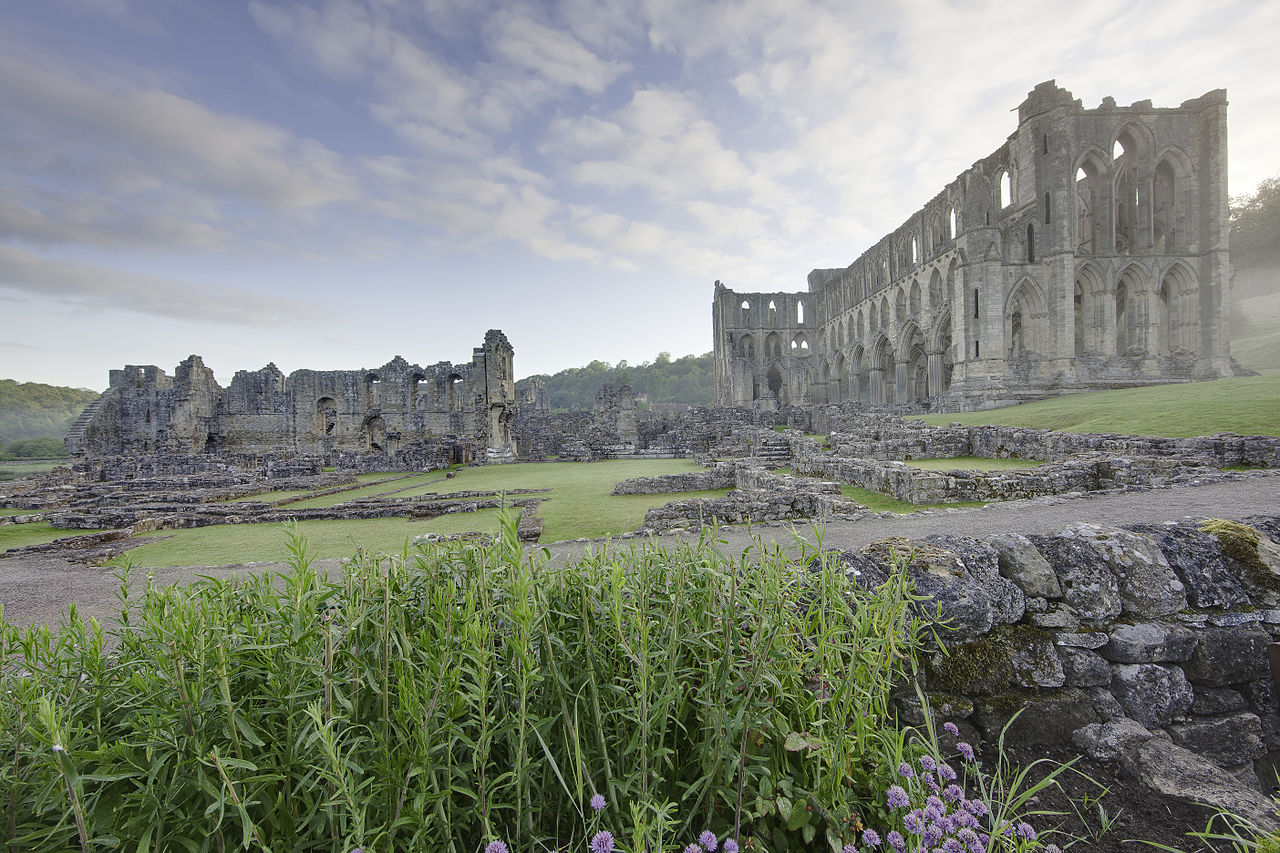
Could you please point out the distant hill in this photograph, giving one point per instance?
(689, 380)
(32, 410)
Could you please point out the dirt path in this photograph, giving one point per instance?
(39, 588)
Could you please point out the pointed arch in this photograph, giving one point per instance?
(914, 300)
(935, 290)
(1026, 320)
(1092, 181)
(1132, 309)
(1177, 311)
(1089, 310)
(859, 376)
(1174, 225)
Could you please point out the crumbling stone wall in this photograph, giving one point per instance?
(1088, 251)
(1145, 643)
(401, 411)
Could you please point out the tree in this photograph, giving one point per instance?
(1255, 227)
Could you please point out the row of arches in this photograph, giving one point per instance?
(775, 346)
(1137, 314)
(772, 317)
(915, 368)
(911, 301)
(1131, 201)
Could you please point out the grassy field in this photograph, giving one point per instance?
(1255, 326)
(579, 505)
(13, 469)
(22, 535)
(972, 463)
(1249, 406)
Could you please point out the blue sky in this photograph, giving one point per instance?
(328, 184)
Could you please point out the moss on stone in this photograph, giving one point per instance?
(1240, 543)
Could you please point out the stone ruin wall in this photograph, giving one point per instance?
(1089, 251)
(399, 415)
(1146, 645)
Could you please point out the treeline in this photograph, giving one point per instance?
(34, 417)
(689, 380)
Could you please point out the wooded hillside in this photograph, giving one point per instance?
(31, 410)
(689, 379)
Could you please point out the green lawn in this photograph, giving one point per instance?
(1249, 405)
(243, 543)
(972, 463)
(377, 488)
(1255, 332)
(22, 535)
(579, 505)
(12, 470)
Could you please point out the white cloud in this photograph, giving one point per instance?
(96, 288)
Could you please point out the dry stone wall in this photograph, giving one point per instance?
(1103, 637)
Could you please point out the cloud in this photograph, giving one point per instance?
(98, 288)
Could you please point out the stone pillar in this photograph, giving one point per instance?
(935, 373)
(877, 385)
(900, 383)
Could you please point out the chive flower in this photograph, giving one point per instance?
(898, 798)
(708, 839)
(496, 847)
(598, 802)
(730, 846)
(602, 842)
(952, 729)
(871, 838)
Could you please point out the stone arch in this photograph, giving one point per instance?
(885, 317)
(773, 381)
(374, 433)
(1174, 225)
(883, 372)
(900, 305)
(1004, 188)
(773, 345)
(1130, 159)
(913, 299)
(859, 375)
(747, 346)
(1026, 325)
(935, 290)
(1131, 310)
(326, 416)
(1178, 311)
(1092, 179)
(800, 345)
(940, 343)
(838, 392)
(417, 396)
(859, 327)
(914, 384)
(1089, 310)
(372, 386)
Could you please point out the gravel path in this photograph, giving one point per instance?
(39, 588)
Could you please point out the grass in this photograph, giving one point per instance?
(375, 488)
(580, 503)
(239, 543)
(973, 463)
(1255, 325)
(12, 469)
(16, 511)
(464, 695)
(270, 496)
(38, 533)
(1248, 405)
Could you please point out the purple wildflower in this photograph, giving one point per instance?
(945, 771)
(927, 762)
(963, 818)
(849, 848)
(1052, 848)
(898, 797)
(953, 794)
(598, 802)
(496, 847)
(1024, 830)
(966, 750)
(931, 783)
(905, 771)
(693, 848)
(871, 838)
(911, 823)
(951, 845)
(896, 841)
(730, 846)
(602, 842)
(951, 729)
(977, 808)
(708, 839)
(937, 804)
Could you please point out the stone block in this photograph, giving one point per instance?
(1088, 585)
(1210, 701)
(1149, 642)
(1197, 559)
(1105, 741)
(1152, 694)
(1048, 717)
(1021, 563)
(1084, 668)
(1007, 657)
(1231, 740)
(1229, 655)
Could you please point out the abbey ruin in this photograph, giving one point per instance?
(1089, 251)
(442, 414)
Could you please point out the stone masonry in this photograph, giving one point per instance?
(1089, 251)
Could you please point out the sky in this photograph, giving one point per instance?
(328, 184)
